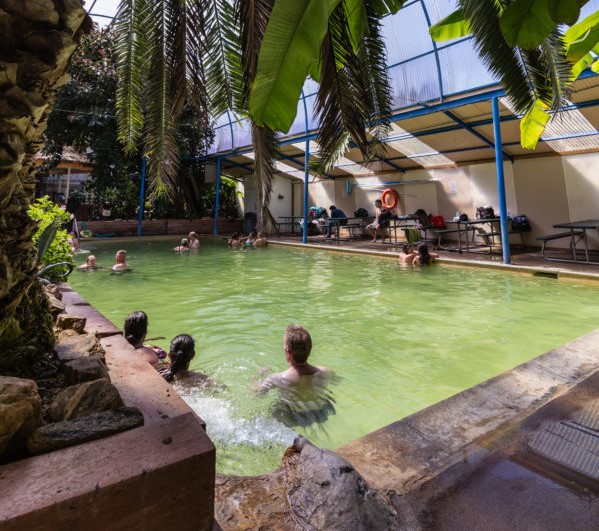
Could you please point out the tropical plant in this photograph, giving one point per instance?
(228, 196)
(45, 212)
(251, 57)
(524, 42)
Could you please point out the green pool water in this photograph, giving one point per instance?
(399, 338)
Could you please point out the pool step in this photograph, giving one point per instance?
(572, 443)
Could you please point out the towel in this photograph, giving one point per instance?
(412, 234)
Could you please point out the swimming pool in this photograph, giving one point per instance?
(400, 338)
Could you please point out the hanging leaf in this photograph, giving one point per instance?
(289, 49)
(564, 11)
(581, 38)
(355, 13)
(451, 27)
(386, 7)
(533, 125)
(525, 23)
(580, 66)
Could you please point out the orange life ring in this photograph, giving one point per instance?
(394, 198)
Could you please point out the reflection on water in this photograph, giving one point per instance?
(400, 338)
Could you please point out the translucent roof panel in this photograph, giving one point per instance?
(102, 11)
(422, 74)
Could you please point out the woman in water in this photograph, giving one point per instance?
(424, 257)
(181, 352)
(135, 331)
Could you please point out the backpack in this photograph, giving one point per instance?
(485, 212)
(423, 218)
(437, 222)
(520, 224)
(361, 213)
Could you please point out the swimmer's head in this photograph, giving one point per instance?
(297, 343)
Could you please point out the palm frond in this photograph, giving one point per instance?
(253, 16)
(502, 60)
(161, 145)
(131, 47)
(354, 90)
(183, 51)
(221, 56)
(557, 71)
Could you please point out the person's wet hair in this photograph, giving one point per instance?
(298, 342)
(425, 257)
(136, 327)
(181, 353)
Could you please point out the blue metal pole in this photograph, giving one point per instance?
(505, 237)
(306, 176)
(142, 191)
(217, 196)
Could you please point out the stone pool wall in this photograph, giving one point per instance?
(156, 477)
(158, 227)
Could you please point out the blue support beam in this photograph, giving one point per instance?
(142, 194)
(505, 237)
(473, 131)
(217, 196)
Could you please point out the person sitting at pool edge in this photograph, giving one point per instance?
(183, 247)
(424, 257)
(135, 331)
(377, 227)
(260, 240)
(121, 261)
(194, 243)
(337, 218)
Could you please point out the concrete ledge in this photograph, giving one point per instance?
(407, 453)
(156, 477)
(152, 478)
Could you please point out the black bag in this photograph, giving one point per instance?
(520, 224)
(361, 213)
(485, 212)
(422, 218)
(463, 217)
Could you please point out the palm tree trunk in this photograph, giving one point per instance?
(37, 41)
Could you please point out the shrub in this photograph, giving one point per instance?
(45, 211)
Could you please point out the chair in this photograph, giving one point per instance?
(46, 238)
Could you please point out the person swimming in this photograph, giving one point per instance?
(304, 396)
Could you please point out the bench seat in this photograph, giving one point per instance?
(557, 236)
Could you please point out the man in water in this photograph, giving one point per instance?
(121, 261)
(304, 397)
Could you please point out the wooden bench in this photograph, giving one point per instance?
(557, 236)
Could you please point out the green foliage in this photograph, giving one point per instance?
(45, 212)
(532, 126)
(289, 49)
(84, 115)
(524, 44)
(228, 195)
(451, 27)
